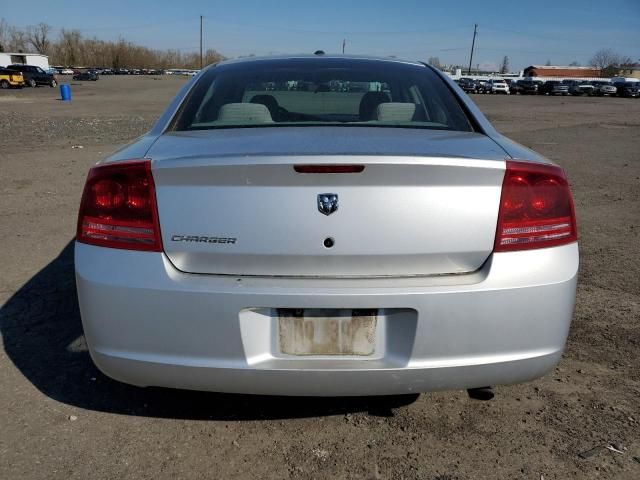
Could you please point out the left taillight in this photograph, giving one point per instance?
(119, 209)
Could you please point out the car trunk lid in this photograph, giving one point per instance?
(231, 201)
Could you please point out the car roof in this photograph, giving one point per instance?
(20, 65)
(320, 57)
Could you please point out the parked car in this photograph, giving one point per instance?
(468, 85)
(579, 87)
(497, 86)
(381, 246)
(515, 87)
(528, 87)
(86, 75)
(553, 87)
(582, 87)
(10, 79)
(601, 87)
(34, 76)
(627, 89)
(481, 86)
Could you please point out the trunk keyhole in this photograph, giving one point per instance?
(329, 242)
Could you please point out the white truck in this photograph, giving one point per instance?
(35, 59)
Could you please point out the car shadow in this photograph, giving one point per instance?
(43, 337)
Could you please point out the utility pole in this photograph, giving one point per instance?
(473, 44)
(344, 44)
(201, 18)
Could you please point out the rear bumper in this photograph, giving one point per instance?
(148, 324)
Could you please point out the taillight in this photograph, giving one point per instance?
(118, 207)
(536, 208)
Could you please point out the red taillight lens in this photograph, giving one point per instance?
(118, 208)
(107, 194)
(536, 208)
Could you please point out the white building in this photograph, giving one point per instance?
(36, 59)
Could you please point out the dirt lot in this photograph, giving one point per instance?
(62, 419)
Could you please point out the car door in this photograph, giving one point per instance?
(29, 73)
(26, 74)
(40, 75)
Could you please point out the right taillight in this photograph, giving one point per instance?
(536, 208)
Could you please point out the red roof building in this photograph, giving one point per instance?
(556, 71)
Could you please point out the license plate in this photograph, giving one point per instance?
(327, 332)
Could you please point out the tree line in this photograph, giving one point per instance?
(610, 63)
(71, 48)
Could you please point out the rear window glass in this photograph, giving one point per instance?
(307, 92)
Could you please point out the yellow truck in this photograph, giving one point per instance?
(11, 79)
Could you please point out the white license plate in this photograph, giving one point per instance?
(327, 331)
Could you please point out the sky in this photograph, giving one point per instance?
(529, 32)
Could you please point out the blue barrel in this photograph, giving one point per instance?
(65, 92)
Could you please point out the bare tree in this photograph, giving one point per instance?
(212, 56)
(604, 58)
(548, 64)
(626, 62)
(434, 61)
(574, 64)
(4, 34)
(504, 68)
(69, 47)
(17, 40)
(38, 36)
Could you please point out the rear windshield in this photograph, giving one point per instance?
(307, 92)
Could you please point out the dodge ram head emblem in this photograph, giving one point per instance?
(327, 203)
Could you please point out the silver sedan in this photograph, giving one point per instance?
(325, 225)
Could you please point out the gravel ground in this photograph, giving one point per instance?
(63, 419)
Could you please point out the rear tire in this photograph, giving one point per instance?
(4, 84)
(53, 84)
(32, 83)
